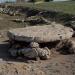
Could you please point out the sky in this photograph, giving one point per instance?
(14, 0)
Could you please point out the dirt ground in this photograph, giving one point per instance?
(56, 65)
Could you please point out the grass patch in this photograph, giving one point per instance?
(66, 6)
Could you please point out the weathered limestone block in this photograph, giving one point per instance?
(41, 34)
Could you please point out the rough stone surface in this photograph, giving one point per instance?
(40, 34)
(34, 45)
(66, 47)
(31, 53)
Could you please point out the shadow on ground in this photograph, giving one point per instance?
(4, 54)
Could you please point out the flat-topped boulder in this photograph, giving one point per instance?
(41, 34)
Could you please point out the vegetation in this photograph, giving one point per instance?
(41, 0)
(67, 6)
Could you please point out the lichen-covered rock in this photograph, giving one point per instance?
(41, 34)
(34, 45)
(18, 20)
(66, 47)
(43, 53)
(37, 20)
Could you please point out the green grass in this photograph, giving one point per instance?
(66, 6)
